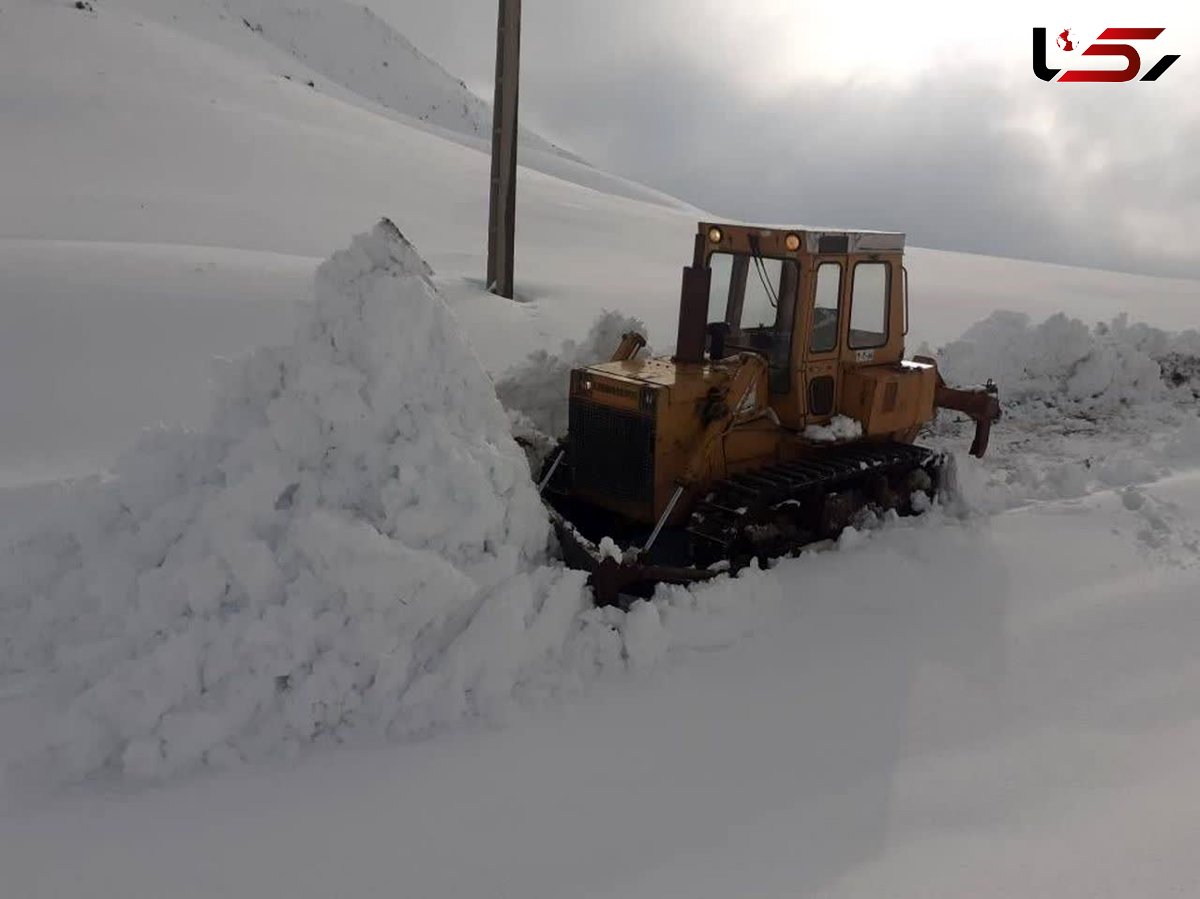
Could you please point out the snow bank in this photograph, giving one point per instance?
(1062, 365)
(537, 388)
(1086, 409)
(353, 542)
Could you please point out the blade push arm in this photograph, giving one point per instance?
(982, 404)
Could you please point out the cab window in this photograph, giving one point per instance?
(764, 287)
(756, 297)
(721, 265)
(868, 305)
(826, 306)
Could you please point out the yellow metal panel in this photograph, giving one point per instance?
(888, 398)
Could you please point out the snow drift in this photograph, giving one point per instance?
(323, 556)
(1062, 365)
(1086, 408)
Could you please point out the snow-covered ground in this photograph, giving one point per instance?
(1006, 708)
(84, 322)
(994, 700)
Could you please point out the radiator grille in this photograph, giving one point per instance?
(612, 451)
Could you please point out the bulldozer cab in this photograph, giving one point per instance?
(811, 302)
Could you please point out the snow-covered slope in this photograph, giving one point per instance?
(135, 130)
(937, 707)
(342, 43)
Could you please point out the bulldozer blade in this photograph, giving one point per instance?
(612, 580)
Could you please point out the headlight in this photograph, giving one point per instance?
(715, 235)
(792, 242)
(582, 381)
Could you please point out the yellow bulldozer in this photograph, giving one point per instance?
(787, 409)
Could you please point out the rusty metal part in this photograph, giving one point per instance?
(981, 404)
(631, 342)
(612, 581)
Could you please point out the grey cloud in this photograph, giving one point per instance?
(937, 158)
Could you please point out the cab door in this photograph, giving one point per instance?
(825, 305)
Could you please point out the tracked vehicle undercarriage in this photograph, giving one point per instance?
(760, 515)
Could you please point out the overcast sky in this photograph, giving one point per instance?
(924, 117)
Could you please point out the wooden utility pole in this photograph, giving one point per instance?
(502, 214)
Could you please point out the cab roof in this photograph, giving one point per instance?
(814, 239)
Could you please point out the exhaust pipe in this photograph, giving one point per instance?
(693, 314)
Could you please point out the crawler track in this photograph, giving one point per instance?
(765, 514)
(773, 511)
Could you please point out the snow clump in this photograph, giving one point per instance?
(840, 427)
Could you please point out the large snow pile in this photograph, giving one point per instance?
(537, 388)
(353, 542)
(1062, 365)
(1086, 408)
